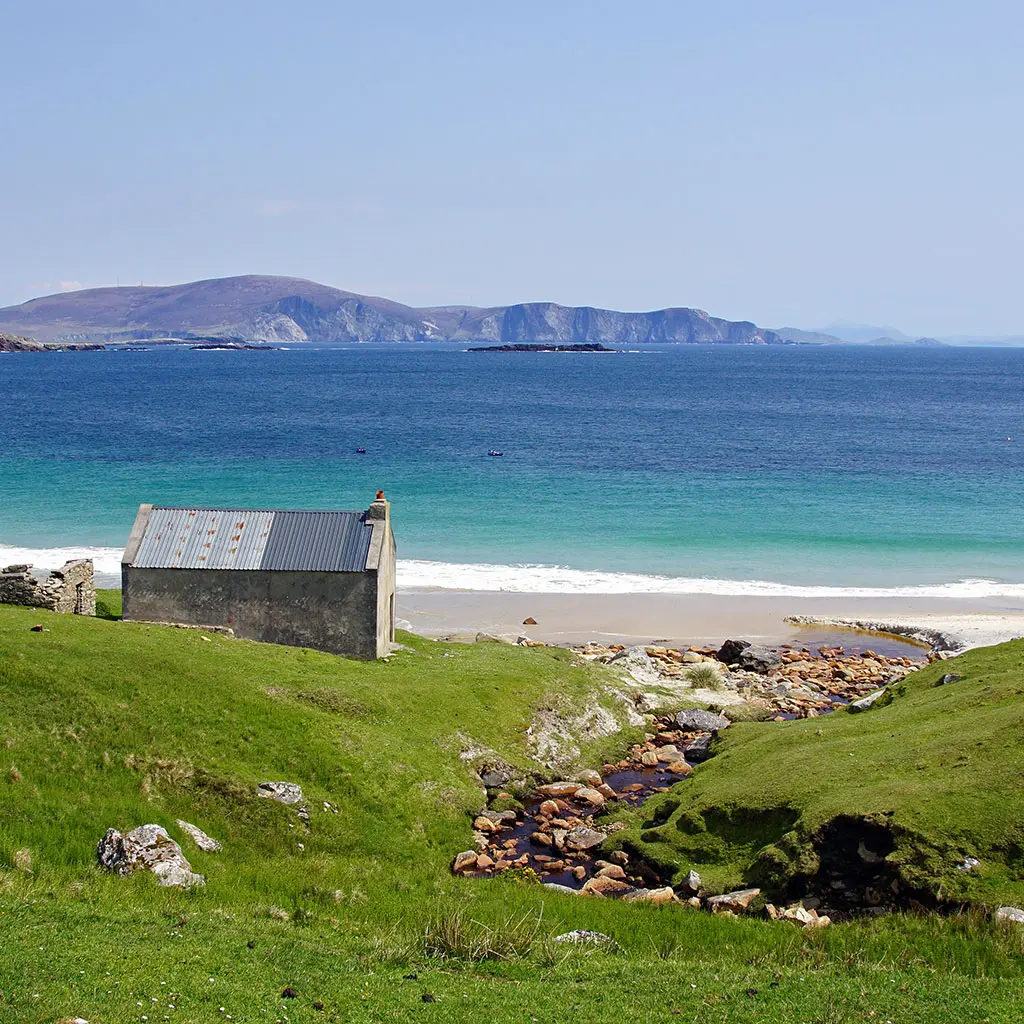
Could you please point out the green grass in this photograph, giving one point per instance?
(105, 723)
(941, 768)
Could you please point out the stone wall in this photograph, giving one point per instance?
(328, 611)
(68, 590)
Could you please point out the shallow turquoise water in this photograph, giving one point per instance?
(844, 467)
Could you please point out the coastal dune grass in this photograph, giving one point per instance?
(104, 723)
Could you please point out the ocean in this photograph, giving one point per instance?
(675, 469)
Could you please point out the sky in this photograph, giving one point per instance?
(788, 162)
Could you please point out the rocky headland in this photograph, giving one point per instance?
(257, 308)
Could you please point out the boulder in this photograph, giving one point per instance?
(691, 883)
(758, 659)
(555, 789)
(146, 848)
(949, 677)
(554, 886)
(1014, 914)
(699, 750)
(730, 651)
(495, 638)
(465, 861)
(736, 902)
(495, 776)
(679, 767)
(589, 796)
(698, 720)
(599, 886)
(612, 871)
(284, 792)
(864, 703)
(662, 895)
(199, 837)
(588, 777)
(583, 838)
(638, 663)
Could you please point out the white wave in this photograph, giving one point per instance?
(106, 561)
(557, 579)
(416, 574)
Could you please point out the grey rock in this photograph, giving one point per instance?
(730, 651)
(691, 883)
(638, 663)
(555, 887)
(1014, 914)
(758, 659)
(968, 864)
(582, 937)
(199, 837)
(285, 792)
(868, 856)
(699, 750)
(147, 848)
(495, 776)
(697, 720)
(583, 838)
(949, 677)
(495, 638)
(865, 703)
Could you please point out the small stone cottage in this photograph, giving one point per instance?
(68, 590)
(324, 580)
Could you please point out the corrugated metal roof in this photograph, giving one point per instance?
(204, 538)
(318, 542)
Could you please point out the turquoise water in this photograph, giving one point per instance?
(716, 469)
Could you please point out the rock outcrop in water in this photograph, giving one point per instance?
(285, 309)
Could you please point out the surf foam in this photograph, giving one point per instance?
(417, 574)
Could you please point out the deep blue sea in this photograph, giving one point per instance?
(677, 468)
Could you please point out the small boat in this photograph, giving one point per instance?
(494, 452)
(360, 451)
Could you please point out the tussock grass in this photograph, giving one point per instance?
(705, 676)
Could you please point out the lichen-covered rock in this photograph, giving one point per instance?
(285, 792)
(199, 837)
(581, 937)
(1014, 914)
(146, 848)
(583, 838)
(638, 663)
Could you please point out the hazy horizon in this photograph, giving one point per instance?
(786, 164)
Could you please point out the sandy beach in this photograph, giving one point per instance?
(949, 624)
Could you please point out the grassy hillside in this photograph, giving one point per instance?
(935, 776)
(105, 723)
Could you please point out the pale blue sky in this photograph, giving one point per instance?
(789, 162)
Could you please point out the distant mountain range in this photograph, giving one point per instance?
(262, 309)
(286, 309)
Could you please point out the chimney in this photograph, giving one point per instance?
(379, 510)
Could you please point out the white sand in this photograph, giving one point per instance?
(946, 623)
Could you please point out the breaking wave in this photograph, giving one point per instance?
(416, 574)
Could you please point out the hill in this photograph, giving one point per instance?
(350, 913)
(924, 782)
(285, 309)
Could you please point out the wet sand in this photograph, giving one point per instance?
(698, 618)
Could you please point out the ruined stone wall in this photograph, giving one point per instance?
(68, 590)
